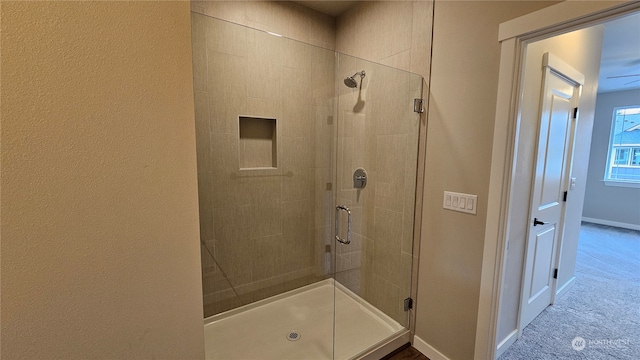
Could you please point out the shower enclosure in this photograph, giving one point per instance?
(307, 182)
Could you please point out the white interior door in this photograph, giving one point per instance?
(558, 117)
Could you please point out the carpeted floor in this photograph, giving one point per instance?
(603, 307)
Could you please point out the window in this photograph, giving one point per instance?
(622, 156)
(623, 165)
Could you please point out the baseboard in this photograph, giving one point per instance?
(428, 350)
(508, 341)
(566, 287)
(611, 223)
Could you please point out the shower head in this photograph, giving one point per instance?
(351, 82)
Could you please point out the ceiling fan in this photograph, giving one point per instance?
(625, 76)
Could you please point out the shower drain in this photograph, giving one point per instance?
(293, 336)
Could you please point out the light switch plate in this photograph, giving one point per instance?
(465, 203)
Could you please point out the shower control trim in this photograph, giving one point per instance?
(359, 178)
(346, 241)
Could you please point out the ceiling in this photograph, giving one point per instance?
(620, 62)
(333, 8)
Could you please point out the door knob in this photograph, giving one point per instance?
(538, 222)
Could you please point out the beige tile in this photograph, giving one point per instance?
(411, 148)
(265, 79)
(322, 236)
(228, 92)
(346, 164)
(299, 186)
(408, 214)
(368, 249)
(421, 37)
(219, 121)
(297, 55)
(203, 149)
(389, 196)
(295, 155)
(266, 219)
(323, 67)
(224, 157)
(269, 108)
(233, 11)
(384, 295)
(343, 263)
(296, 20)
(323, 198)
(363, 220)
(262, 46)
(266, 257)
(216, 70)
(226, 37)
(265, 15)
(232, 240)
(388, 244)
(406, 271)
(350, 124)
(237, 84)
(198, 6)
(322, 31)
(199, 49)
(401, 60)
(390, 164)
(235, 193)
(323, 132)
(297, 234)
(208, 265)
(264, 189)
(297, 119)
(401, 27)
(205, 205)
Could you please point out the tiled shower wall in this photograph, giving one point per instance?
(263, 226)
(286, 18)
(398, 34)
(378, 131)
(393, 33)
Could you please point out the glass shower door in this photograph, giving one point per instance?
(264, 108)
(376, 171)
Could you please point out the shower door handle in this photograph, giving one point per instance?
(338, 238)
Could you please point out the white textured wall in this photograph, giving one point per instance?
(100, 253)
(609, 203)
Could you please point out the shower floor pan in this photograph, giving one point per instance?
(299, 325)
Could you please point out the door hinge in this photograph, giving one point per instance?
(575, 112)
(555, 273)
(408, 304)
(564, 197)
(418, 105)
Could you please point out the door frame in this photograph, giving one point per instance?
(513, 36)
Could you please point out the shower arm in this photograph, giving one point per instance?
(361, 73)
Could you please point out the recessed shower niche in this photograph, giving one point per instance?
(258, 143)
